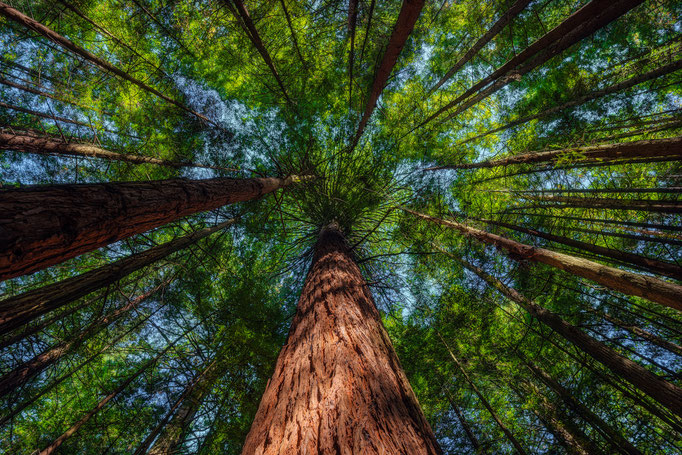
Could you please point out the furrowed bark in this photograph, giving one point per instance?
(338, 386)
(44, 145)
(664, 392)
(485, 403)
(409, 12)
(653, 265)
(636, 149)
(576, 27)
(590, 417)
(636, 80)
(23, 308)
(242, 13)
(43, 225)
(650, 288)
(497, 27)
(22, 19)
(29, 369)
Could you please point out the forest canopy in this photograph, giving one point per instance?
(362, 226)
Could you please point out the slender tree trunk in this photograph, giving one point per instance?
(172, 430)
(338, 386)
(29, 143)
(465, 425)
(576, 27)
(497, 27)
(169, 33)
(648, 336)
(595, 421)
(352, 21)
(27, 370)
(485, 403)
(50, 116)
(22, 19)
(23, 308)
(664, 392)
(44, 225)
(409, 12)
(242, 15)
(653, 148)
(629, 83)
(650, 288)
(646, 205)
(293, 34)
(653, 265)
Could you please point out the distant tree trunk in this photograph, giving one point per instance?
(23, 308)
(465, 425)
(169, 33)
(27, 370)
(595, 421)
(576, 27)
(338, 386)
(650, 288)
(44, 145)
(21, 19)
(352, 21)
(242, 15)
(646, 205)
(661, 390)
(497, 27)
(629, 83)
(638, 149)
(171, 431)
(293, 34)
(653, 265)
(571, 437)
(637, 331)
(44, 225)
(409, 13)
(483, 400)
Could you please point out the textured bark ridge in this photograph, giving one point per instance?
(338, 387)
(44, 225)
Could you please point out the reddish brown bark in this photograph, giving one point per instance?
(647, 287)
(338, 386)
(30, 143)
(637, 149)
(43, 225)
(496, 28)
(653, 265)
(28, 22)
(576, 27)
(407, 17)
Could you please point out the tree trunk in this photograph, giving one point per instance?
(242, 15)
(497, 27)
(22, 19)
(338, 386)
(485, 403)
(647, 287)
(465, 425)
(44, 225)
(633, 81)
(27, 370)
(293, 34)
(409, 12)
(172, 432)
(646, 205)
(29, 143)
(648, 336)
(653, 265)
(576, 27)
(664, 392)
(595, 421)
(352, 21)
(638, 149)
(23, 308)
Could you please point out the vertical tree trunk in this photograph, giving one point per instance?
(483, 400)
(409, 13)
(44, 225)
(646, 205)
(21, 19)
(465, 425)
(650, 288)
(338, 386)
(653, 265)
(25, 307)
(595, 421)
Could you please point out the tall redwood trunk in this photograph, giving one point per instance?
(44, 225)
(338, 386)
